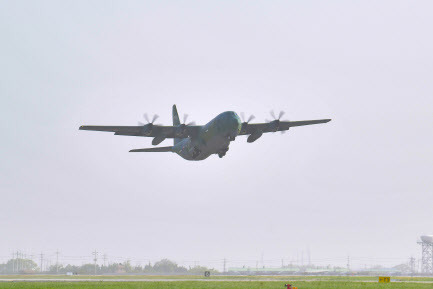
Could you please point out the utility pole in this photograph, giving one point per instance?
(302, 258)
(25, 262)
(32, 257)
(348, 263)
(263, 261)
(42, 261)
(21, 261)
(57, 261)
(18, 262)
(13, 262)
(95, 258)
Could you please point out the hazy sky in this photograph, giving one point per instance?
(360, 185)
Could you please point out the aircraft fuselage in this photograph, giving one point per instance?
(213, 138)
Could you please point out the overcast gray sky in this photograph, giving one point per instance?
(360, 185)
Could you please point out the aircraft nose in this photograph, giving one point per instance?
(237, 122)
(231, 122)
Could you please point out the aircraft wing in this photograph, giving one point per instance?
(273, 126)
(151, 130)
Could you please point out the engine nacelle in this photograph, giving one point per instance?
(254, 136)
(180, 130)
(157, 140)
(274, 125)
(147, 129)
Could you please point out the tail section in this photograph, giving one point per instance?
(176, 122)
(160, 149)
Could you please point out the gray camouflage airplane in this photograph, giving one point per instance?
(197, 142)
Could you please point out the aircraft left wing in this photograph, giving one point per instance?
(276, 125)
(148, 130)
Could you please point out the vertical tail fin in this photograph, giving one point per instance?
(176, 122)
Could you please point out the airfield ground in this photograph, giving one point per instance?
(210, 285)
(215, 282)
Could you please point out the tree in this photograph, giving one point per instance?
(167, 266)
(18, 265)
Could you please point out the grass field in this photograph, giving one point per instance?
(214, 282)
(216, 277)
(212, 285)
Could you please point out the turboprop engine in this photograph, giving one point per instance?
(254, 136)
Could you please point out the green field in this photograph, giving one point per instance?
(211, 285)
(214, 282)
(216, 277)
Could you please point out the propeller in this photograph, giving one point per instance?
(280, 115)
(148, 128)
(181, 129)
(250, 118)
(275, 124)
(246, 121)
(185, 117)
(146, 117)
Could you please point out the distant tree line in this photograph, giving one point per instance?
(164, 266)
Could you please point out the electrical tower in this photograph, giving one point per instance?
(412, 266)
(426, 254)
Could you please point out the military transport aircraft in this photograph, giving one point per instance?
(197, 142)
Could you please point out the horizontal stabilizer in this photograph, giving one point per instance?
(160, 149)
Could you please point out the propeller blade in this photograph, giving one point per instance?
(281, 114)
(251, 118)
(146, 117)
(185, 117)
(243, 116)
(273, 114)
(140, 123)
(191, 123)
(155, 117)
